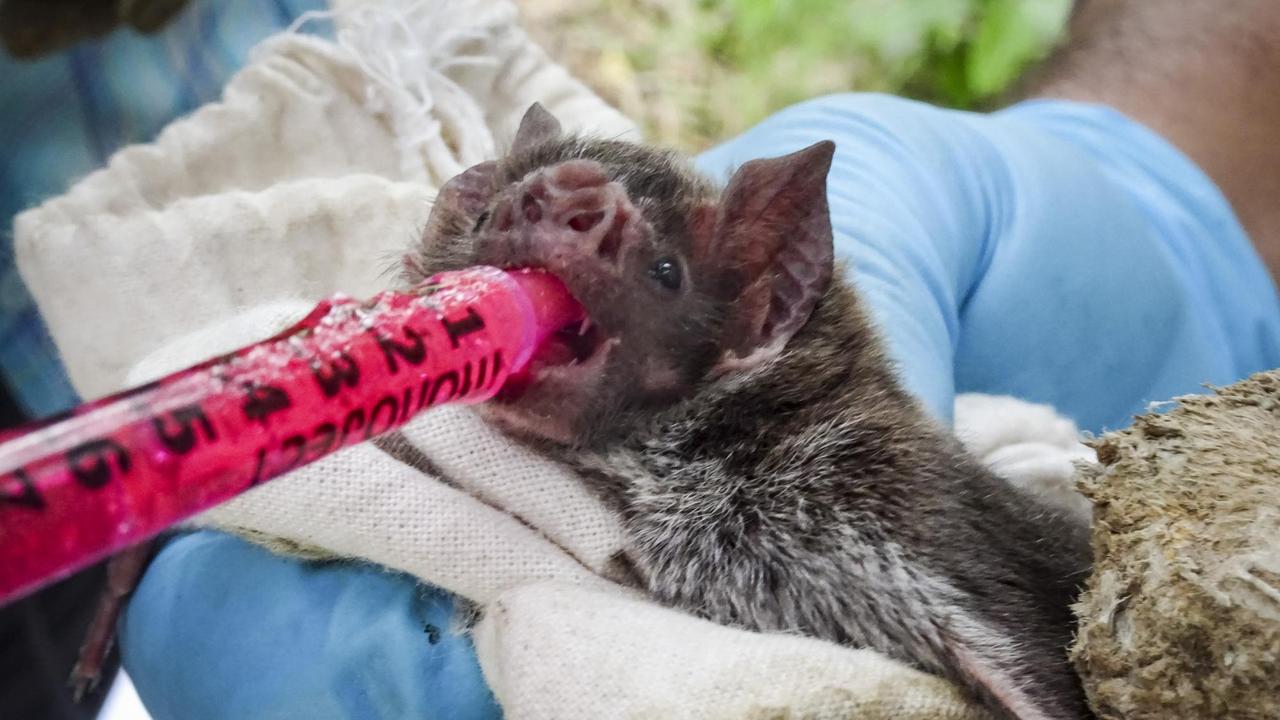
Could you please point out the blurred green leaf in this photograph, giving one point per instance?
(1010, 35)
(699, 70)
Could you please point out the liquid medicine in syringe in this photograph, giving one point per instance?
(121, 469)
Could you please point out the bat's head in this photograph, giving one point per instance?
(683, 283)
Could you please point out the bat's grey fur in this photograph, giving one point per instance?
(805, 492)
(813, 496)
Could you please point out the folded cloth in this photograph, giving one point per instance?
(310, 176)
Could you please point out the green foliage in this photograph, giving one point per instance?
(697, 71)
(959, 52)
(1005, 37)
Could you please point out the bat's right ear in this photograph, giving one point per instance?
(774, 228)
(536, 127)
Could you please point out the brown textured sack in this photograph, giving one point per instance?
(1182, 615)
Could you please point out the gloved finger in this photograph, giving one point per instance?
(1056, 252)
(220, 628)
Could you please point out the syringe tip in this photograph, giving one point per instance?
(554, 306)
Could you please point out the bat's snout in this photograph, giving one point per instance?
(572, 209)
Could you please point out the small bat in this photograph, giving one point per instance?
(730, 400)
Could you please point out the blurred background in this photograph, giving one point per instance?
(81, 78)
(698, 71)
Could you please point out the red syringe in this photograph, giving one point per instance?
(117, 471)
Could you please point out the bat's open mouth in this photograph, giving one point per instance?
(574, 354)
(572, 344)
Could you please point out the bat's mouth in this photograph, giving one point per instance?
(574, 343)
(572, 358)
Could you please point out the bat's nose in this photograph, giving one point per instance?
(574, 203)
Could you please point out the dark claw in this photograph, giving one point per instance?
(124, 570)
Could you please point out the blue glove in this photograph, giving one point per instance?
(221, 628)
(1053, 251)
(1056, 252)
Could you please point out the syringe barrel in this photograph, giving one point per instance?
(120, 470)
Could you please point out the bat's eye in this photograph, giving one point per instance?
(480, 221)
(667, 273)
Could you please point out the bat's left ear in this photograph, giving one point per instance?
(536, 127)
(774, 226)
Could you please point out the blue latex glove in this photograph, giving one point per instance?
(221, 628)
(1055, 252)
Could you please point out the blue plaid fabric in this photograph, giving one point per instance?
(62, 116)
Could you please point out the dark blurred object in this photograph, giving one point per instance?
(40, 636)
(124, 572)
(32, 28)
(10, 415)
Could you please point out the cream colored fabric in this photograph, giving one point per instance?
(311, 176)
(1029, 445)
(540, 647)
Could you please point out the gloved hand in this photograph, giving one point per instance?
(222, 628)
(1051, 251)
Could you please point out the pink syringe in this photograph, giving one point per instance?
(117, 471)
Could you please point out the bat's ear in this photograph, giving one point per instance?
(774, 223)
(992, 667)
(469, 191)
(536, 127)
